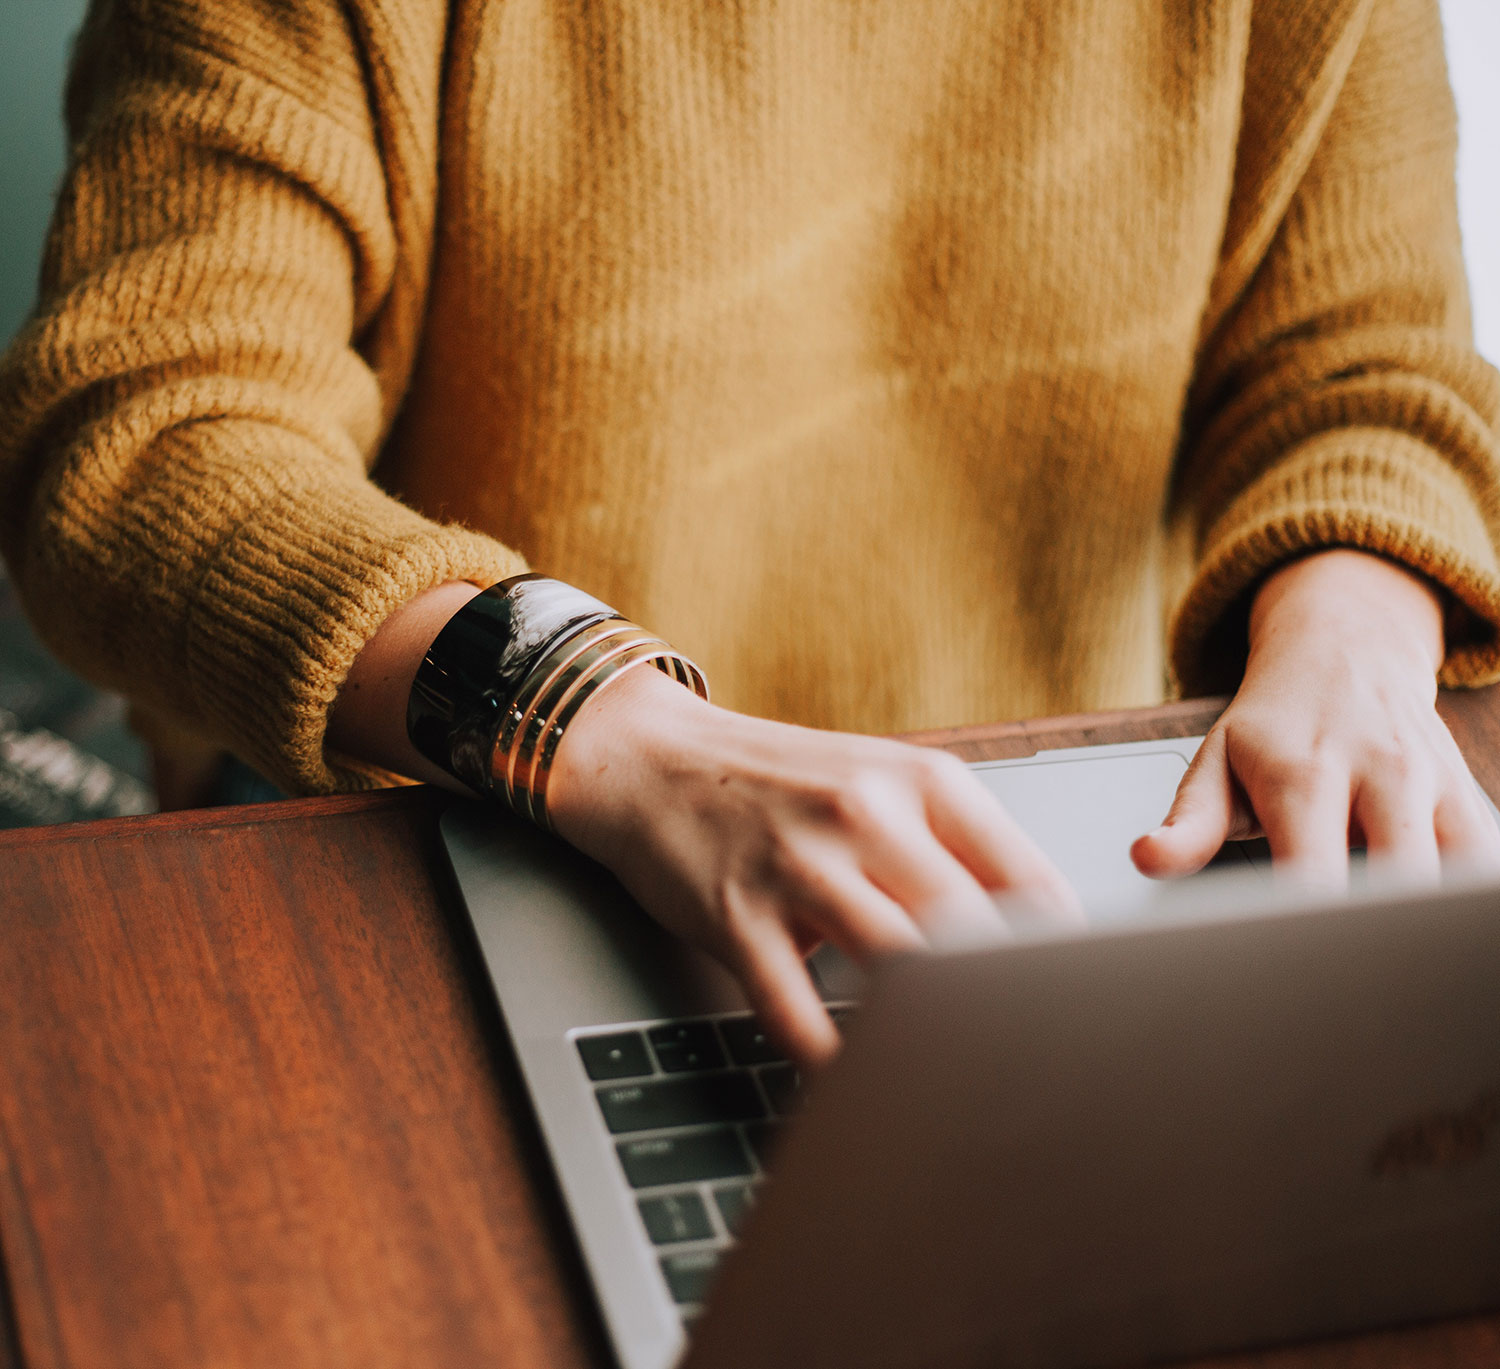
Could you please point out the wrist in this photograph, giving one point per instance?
(368, 718)
(611, 747)
(1343, 595)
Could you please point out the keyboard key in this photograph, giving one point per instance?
(762, 1138)
(691, 1101)
(690, 1273)
(781, 1083)
(621, 1055)
(676, 1217)
(734, 1202)
(748, 1043)
(684, 1158)
(687, 1046)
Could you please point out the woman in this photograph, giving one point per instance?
(902, 364)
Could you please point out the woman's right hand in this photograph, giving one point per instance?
(759, 840)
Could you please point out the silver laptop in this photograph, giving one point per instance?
(1200, 1125)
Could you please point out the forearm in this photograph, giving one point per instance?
(186, 424)
(368, 720)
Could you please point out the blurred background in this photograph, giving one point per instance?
(65, 752)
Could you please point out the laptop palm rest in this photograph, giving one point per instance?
(568, 948)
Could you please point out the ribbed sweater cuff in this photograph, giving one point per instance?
(1371, 488)
(289, 601)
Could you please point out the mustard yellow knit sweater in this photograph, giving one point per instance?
(906, 362)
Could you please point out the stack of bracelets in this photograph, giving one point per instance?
(509, 671)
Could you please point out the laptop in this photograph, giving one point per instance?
(1198, 1125)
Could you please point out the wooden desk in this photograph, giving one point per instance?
(258, 1110)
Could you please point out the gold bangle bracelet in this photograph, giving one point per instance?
(657, 653)
(521, 715)
(538, 764)
(553, 692)
(520, 706)
(571, 662)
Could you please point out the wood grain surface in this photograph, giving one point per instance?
(258, 1110)
(255, 1115)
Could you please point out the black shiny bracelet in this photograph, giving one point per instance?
(507, 674)
(476, 665)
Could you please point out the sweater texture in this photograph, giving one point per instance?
(906, 363)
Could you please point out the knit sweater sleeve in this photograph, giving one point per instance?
(228, 311)
(1339, 399)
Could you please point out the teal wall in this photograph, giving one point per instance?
(34, 40)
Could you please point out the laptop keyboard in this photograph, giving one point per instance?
(694, 1107)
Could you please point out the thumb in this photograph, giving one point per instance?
(1200, 820)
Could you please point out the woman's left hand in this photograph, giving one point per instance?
(1333, 738)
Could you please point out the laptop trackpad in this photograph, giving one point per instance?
(1085, 813)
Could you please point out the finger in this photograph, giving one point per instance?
(975, 827)
(1305, 815)
(842, 906)
(1463, 822)
(1465, 828)
(939, 894)
(1397, 820)
(1206, 812)
(782, 994)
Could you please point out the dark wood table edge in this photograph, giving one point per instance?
(230, 815)
(1177, 718)
(1182, 718)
